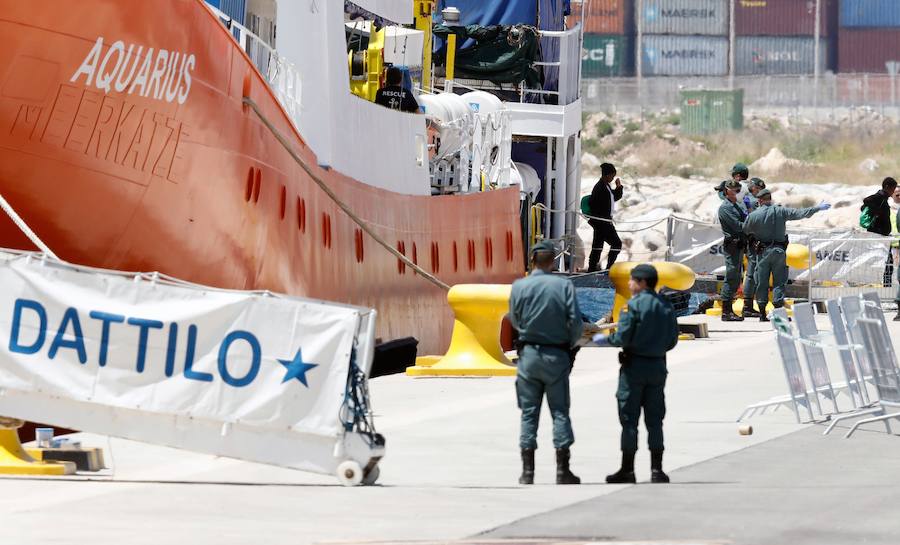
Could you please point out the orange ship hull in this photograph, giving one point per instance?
(119, 173)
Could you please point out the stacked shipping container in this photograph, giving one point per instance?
(608, 37)
(772, 37)
(685, 37)
(869, 35)
(778, 36)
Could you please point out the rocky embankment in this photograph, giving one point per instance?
(647, 201)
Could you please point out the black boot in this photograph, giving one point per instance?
(527, 466)
(563, 474)
(762, 313)
(749, 311)
(656, 472)
(728, 314)
(625, 475)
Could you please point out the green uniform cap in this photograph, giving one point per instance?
(733, 185)
(644, 272)
(543, 246)
(763, 193)
(758, 182)
(740, 168)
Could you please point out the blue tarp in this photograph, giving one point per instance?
(509, 12)
(544, 14)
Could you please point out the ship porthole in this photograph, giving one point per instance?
(455, 258)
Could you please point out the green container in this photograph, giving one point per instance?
(606, 55)
(711, 112)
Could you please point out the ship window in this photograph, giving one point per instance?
(301, 215)
(326, 230)
(257, 184)
(401, 265)
(509, 246)
(435, 258)
(360, 247)
(455, 258)
(489, 252)
(471, 254)
(248, 190)
(283, 203)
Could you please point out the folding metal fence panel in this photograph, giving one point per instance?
(790, 359)
(852, 374)
(816, 364)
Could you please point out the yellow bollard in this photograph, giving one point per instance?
(475, 345)
(671, 275)
(798, 256)
(15, 461)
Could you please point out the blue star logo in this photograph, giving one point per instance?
(297, 368)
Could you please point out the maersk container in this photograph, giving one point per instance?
(870, 13)
(783, 17)
(867, 51)
(604, 16)
(607, 56)
(685, 56)
(705, 17)
(763, 55)
(236, 9)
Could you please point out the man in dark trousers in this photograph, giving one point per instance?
(877, 208)
(394, 96)
(544, 311)
(647, 330)
(603, 204)
(731, 218)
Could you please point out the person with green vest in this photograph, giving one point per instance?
(768, 225)
(647, 330)
(544, 312)
(731, 218)
(751, 203)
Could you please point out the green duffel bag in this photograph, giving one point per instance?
(586, 205)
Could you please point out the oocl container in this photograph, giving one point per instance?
(867, 50)
(607, 56)
(604, 16)
(783, 17)
(763, 55)
(706, 17)
(870, 13)
(685, 56)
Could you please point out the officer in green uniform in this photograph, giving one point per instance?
(647, 330)
(544, 312)
(739, 173)
(768, 225)
(751, 203)
(731, 218)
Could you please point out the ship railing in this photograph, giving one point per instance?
(282, 75)
(564, 69)
(567, 65)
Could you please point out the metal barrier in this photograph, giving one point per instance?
(850, 264)
(833, 95)
(282, 75)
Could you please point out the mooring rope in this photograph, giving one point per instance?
(341, 204)
(20, 223)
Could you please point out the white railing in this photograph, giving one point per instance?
(281, 75)
(568, 65)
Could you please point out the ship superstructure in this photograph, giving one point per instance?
(129, 145)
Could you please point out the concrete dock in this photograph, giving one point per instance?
(452, 467)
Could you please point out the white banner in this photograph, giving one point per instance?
(170, 355)
(845, 256)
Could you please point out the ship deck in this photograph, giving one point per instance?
(452, 466)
